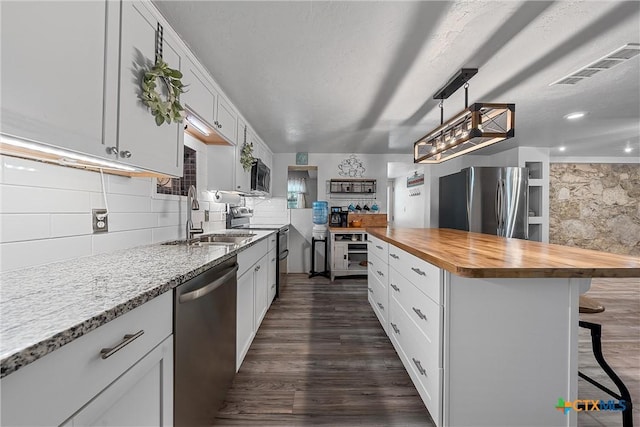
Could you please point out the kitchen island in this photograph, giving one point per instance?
(487, 327)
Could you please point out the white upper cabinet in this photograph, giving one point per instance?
(200, 97)
(55, 86)
(140, 141)
(226, 119)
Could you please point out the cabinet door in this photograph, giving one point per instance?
(261, 284)
(54, 81)
(200, 97)
(141, 396)
(140, 141)
(273, 262)
(340, 259)
(244, 316)
(226, 119)
(243, 180)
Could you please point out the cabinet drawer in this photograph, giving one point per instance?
(272, 241)
(249, 256)
(378, 268)
(379, 247)
(378, 298)
(419, 356)
(425, 276)
(422, 310)
(65, 380)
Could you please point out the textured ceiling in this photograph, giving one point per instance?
(359, 76)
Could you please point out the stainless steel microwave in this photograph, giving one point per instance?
(260, 176)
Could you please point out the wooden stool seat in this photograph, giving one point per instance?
(589, 305)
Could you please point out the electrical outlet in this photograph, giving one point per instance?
(100, 220)
(206, 215)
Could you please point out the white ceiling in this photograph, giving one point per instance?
(343, 76)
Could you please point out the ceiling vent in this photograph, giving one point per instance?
(614, 58)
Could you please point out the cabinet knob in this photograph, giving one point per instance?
(112, 150)
(126, 154)
(370, 290)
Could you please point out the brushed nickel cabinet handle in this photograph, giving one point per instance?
(394, 256)
(379, 247)
(419, 366)
(380, 273)
(273, 286)
(395, 288)
(370, 290)
(257, 268)
(381, 306)
(369, 262)
(105, 353)
(419, 313)
(395, 328)
(420, 272)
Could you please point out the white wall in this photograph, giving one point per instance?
(45, 211)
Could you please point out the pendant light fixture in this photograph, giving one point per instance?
(475, 127)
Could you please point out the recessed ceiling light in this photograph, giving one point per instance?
(628, 149)
(562, 148)
(574, 116)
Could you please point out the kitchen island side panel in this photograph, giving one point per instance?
(510, 350)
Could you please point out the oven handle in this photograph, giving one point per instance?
(284, 255)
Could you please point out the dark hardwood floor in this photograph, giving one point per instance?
(322, 358)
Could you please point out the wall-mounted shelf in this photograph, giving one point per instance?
(352, 186)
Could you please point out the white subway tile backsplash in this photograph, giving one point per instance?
(166, 219)
(71, 224)
(132, 221)
(165, 234)
(19, 199)
(133, 186)
(165, 204)
(36, 174)
(113, 241)
(17, 227)
(35, 252)
(126, 203)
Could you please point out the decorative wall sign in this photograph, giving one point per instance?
(351, 167)
(415, 180)
(302, 158)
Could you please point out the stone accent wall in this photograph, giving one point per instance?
(595, 206)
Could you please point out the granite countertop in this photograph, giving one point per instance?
(43, 308)
(479, 255)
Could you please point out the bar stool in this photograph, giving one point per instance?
(591, 306)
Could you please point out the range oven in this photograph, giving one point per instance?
(239, 218)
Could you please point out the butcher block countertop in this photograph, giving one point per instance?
(482, 255)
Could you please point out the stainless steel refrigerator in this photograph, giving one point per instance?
(486, 200)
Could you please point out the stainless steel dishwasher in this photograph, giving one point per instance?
(204, 344)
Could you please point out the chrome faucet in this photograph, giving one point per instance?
(192, 205)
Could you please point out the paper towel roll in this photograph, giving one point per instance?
(227, 197)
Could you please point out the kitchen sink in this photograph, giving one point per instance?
(234, 239)
(226, 239)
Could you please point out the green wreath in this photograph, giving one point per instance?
(164, 110)
(246, 156)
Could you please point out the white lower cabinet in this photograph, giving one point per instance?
(404, 293)
(273, 262)
(80, 384)
(253, 290)
(142, 396)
